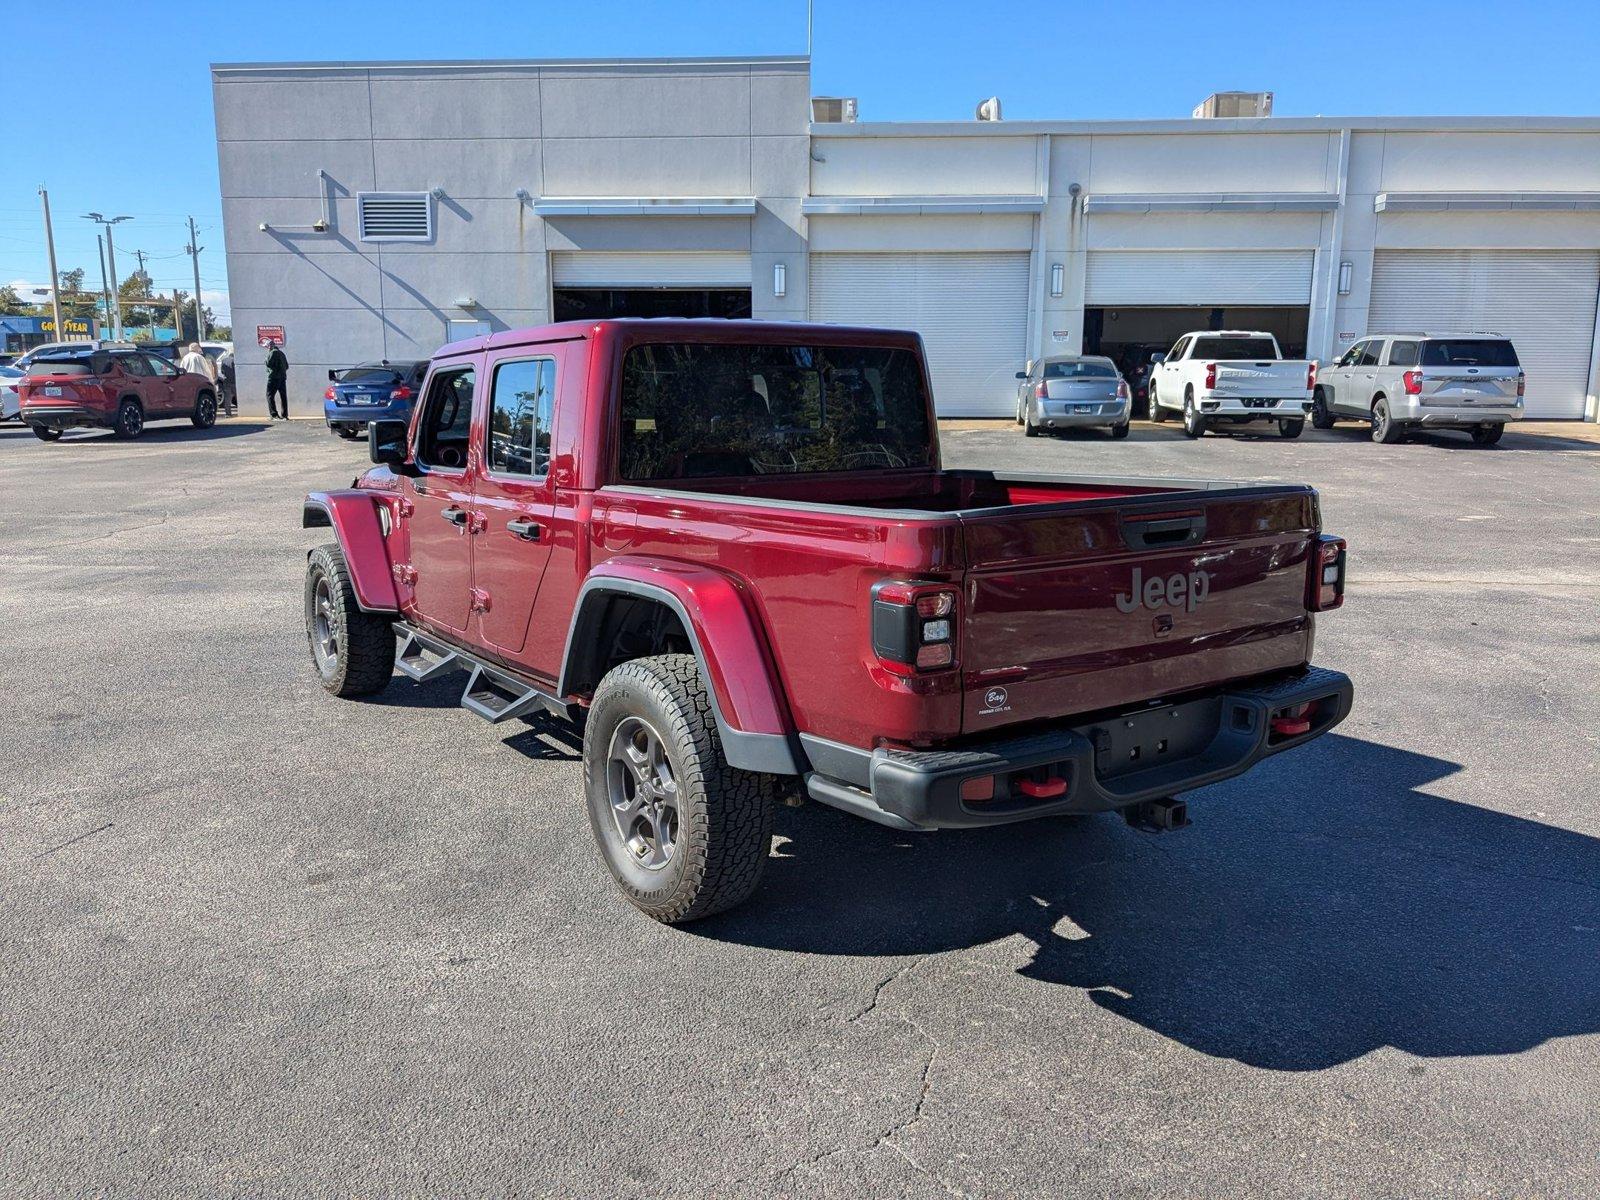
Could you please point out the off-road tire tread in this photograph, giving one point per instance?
(366, 639)
(727, 856)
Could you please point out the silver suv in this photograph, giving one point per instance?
(1070, 391)
(1402, 381)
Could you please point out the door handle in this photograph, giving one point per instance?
(528, 531)
(456, 516)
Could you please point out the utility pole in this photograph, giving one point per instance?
(140, 256)
(111, 261)
(55, 280)
(105, 288)
(194, 249)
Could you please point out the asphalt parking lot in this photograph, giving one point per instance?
(261, 941)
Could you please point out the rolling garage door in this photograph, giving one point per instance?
(970, 308)
(1204, 278)
(610, 269)
(1544, 300)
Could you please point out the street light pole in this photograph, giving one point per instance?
(105, 288)
(111, 262)
(55, 280)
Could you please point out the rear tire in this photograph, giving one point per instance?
(1384, 429)
(1029, 429)
(1321, 418)
(46, 435)
(130, 420)
(1120, 431)
(352, 650)
(1194, 425)
(684, 834)
(205, 411)
(1488, 434)
(1157, 413)
(1291, 429)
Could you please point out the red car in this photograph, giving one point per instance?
(117, 389)
(728, 550)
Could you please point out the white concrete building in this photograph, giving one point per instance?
(376, 210)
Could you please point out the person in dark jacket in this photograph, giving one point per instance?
(228, 383)
(277, 381)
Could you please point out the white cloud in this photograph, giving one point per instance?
(31, 291)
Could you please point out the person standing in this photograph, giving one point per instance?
(196, 362)
(228, 382)
(277, 381)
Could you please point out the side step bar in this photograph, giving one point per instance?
(492, 693)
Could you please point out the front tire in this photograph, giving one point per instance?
(352, 650)
(1488, 434)
(684, 834)
(1194, 425)
(130, 420)
(205, 411)
(1384, 429)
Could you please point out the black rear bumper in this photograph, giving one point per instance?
(1111, 763)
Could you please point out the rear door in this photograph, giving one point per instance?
(515, 494)
(1076, 608)
(437, 505)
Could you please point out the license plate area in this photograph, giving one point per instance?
(1152, 737)
(52, 391)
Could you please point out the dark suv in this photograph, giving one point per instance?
(117, 390)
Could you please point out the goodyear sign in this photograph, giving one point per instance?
(71, 326)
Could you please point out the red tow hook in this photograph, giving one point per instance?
(1042, 789)
(1293, 724)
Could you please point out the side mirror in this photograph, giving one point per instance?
(1158, 358)
(333, 375)
(1022, 374)
(386, 443)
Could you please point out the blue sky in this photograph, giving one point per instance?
(135, 132)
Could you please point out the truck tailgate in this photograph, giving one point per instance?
(1076, 608)
(1278, 380)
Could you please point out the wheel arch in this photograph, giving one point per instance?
(752, 718)
(353, 516)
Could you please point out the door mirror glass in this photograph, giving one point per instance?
(386, 442)
(1022, 374)
(1158, 357)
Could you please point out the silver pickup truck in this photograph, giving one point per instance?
(1228, 376)
(1404, 381)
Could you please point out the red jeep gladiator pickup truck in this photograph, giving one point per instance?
(728, 550)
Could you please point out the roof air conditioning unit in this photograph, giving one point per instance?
(1235, 104)
(989, 110)
(833, 110)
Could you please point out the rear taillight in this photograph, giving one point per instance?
(914, 626)
(1122, 389)
(1522, 383)
(1311, 375)
(330, 394)
(1211, 375)
(1042, 391)
(401, 393)
(1325, 585)
(1412, 382)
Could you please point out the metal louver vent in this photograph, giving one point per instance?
(395, 216)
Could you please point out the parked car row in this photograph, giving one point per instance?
(118, 388)
(1396, 382)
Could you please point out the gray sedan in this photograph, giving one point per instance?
(1072, 390)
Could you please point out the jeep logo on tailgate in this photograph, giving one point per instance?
(1178, 590)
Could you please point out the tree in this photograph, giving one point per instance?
(13, 305)
(75, 302)
(72, 281)
(186, 319)
(130, 291)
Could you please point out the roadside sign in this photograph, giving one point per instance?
(267, 334)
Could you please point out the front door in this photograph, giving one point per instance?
(439, 521)
(161, 398)
(515, 494)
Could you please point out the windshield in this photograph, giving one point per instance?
(370, 373)
(704, 411)
(1079, 370)
(1469, 352)
(1233, 349)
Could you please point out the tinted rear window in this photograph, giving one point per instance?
(1232, 349)
(1469, 352)
(63, 366)
(378, 375)
(702, 411)
(1079, 370)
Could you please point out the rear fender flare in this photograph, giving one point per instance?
(751, 716)
(352, 514)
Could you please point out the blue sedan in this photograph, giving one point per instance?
(373, 391)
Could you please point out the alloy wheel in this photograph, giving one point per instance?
(643, 791)
(324, 633)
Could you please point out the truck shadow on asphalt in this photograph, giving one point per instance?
(1322, 907)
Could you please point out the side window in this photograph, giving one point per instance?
(1177, 350)
(159, 367)
(1402, 354)
(521, 402)
(134, 364)
(1369, 352)
(446, 427)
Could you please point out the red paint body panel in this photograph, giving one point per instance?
(776, 571)
(353, 513)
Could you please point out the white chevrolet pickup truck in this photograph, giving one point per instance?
(1230, 376)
